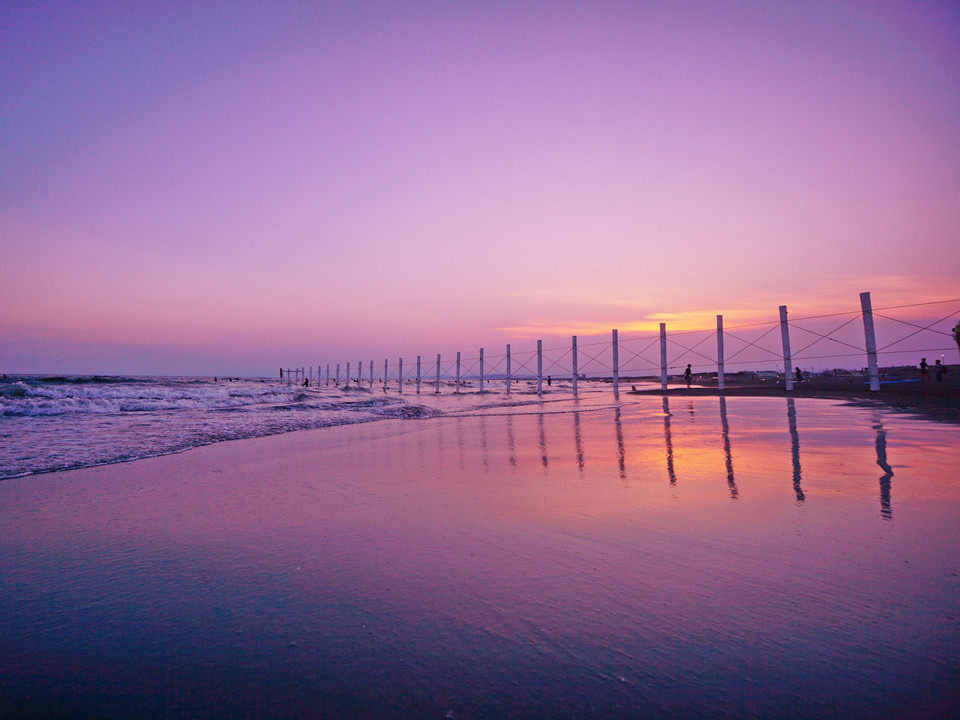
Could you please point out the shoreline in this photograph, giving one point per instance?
(936, 401)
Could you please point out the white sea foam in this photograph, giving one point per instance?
(60, 423)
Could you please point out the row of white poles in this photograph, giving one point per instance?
(298, 374)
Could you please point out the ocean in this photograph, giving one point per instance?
(50, 423)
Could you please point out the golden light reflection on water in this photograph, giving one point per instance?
(749, 448)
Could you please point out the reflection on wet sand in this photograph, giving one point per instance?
(484, 454)
(621, 453)
(359, 573)
(885, 511)
(795, 448)
(542, 434)
(706, 449)
(727, 456)
(578, 440)
(668, 440)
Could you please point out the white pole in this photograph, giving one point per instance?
(540, 368)
(311, 374)
(720, 352)
(338, 373)
(509, 380)
(359, 373)
(458, 373)
(573, 365)
(418, 374)
(438, 374)
(616, 365)
(370, 380)
(481, 369)
(663, 356)
(328, 374)
(384, 374)
(785, 337)
(871, 337)
(400, 377)
(348, 375)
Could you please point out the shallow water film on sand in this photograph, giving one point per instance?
(681, 557)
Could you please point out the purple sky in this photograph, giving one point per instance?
(196, 188)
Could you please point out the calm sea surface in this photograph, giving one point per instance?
(701, 557)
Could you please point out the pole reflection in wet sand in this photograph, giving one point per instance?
(885, 511)
(621, 454)
(542, 434)
(668, 440)
(727, 456)
(578, 440)
(484, 452)
(794, 448)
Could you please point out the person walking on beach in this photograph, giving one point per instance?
(924, 373)
(687, 375)
(941, 370)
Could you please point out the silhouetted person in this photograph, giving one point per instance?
(688, 375)
(306, 382)
(549, 380)
(941, 370)
(956, 334)
(798, 374)
(924, 373)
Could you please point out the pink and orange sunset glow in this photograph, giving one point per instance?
(207, 188)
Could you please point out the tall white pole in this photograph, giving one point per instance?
(400, 376)
(311, 374)
(785, 337)
(328, 374)
(457, 386)
(540, 368)
(720, 352)
(359, 373)
(573, 365)
(348, 375)
(384, 374)
(481, 369)
(663, 356)
(418, 374)
(866, 305)
(509, 379)
(370, 379)
(438, 374)
(338, 374)
(616, 365)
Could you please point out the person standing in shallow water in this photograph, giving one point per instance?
(687, 375)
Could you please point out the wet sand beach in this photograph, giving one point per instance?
(665, 557)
